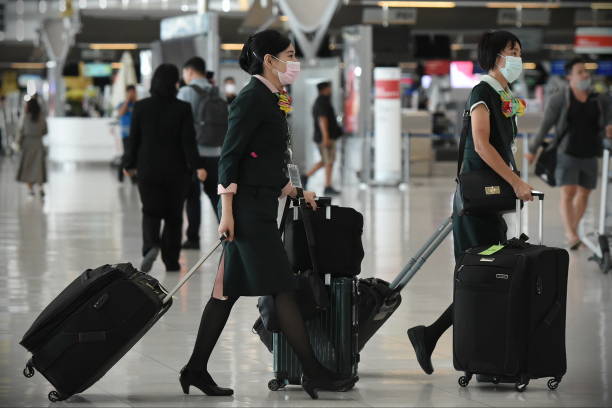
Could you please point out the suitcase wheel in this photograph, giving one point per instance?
(496, 380)
(54, 396)
(464, 380)
(521, 386)
(275, 385)
(553, 383)
(28, 371)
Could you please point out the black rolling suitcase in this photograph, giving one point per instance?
(509, 312)
(379, 299)
(333, 332)
(92, 323)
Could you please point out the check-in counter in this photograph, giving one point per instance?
(417, 124)
(82, 140)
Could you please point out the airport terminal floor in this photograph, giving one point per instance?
(88, 219)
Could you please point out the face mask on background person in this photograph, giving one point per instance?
(584, 84)
(291, 73)
(230, 89)
(513, 68)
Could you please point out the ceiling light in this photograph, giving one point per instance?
(591, 65)
(529, 65)
(421, 4)
(109, 46)
(28, 65)
(231, 46)
(116, 65)
(226, 6)
(601, 6)
(519, 4)
(284, 19)
(51, 64)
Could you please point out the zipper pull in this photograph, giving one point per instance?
(539, 285)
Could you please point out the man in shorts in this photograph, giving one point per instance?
(582, 118)
(326, 132)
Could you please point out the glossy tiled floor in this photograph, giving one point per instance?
(88, 219)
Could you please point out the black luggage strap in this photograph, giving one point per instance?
(308, 228)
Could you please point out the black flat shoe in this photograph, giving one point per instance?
(202, 381)
(417, 338)
(312, 386)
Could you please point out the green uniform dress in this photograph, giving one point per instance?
(255, 157)
(470, 230)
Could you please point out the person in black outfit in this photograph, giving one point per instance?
(196, 90)
(489, 144)
(162, 151)
(252, 175)
(326, 131)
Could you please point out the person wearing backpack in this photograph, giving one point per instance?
(210, 113)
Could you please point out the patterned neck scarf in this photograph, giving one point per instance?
(512, 105)
(284, 102)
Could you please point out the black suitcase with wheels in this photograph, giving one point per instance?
(92, 323)
(379, 299)
(332, 332)
(509, 312)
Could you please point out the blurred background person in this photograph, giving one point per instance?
(33, 164)
(582, 119)
(229, 89)
(205, 102)
(162, 151)
(124, 113)
(326, 132)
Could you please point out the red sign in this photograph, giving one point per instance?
(437, 67)
(387, 88)
(593, 40)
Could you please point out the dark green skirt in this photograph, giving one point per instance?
(256, 263)
(470, 231)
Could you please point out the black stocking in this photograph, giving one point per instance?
(292, 326)
(437, 328)
(213, 321)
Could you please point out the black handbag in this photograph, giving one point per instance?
(312, 295)
(547, 164)
(482, 192)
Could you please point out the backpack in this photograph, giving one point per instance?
(210, 117)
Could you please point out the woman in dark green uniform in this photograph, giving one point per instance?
(493, 111)
(252, 175)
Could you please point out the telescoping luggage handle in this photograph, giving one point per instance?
(519, 219)
(416, 262)
(193, 269)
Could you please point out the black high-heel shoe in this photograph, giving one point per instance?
(202, 381)
(312, 386)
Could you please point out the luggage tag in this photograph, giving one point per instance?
(491, 250)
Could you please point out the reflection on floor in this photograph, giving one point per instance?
(88, 219)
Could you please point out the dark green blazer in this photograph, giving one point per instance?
(254, 152)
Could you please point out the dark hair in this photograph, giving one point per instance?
(323, 85)
(569, 65)
(33, 108)
(229, 78)
(163, 83)
(197, 64)
(130, 88)
(491, 44)
(259, 44)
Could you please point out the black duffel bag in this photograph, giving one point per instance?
(335, 237)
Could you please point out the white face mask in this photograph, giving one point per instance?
(230, 89)
(513, 68)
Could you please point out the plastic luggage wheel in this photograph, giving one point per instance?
(54, 396)
(553, 383)
(464, 380)
(28, 371)
(521, 385)
(275, 384)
